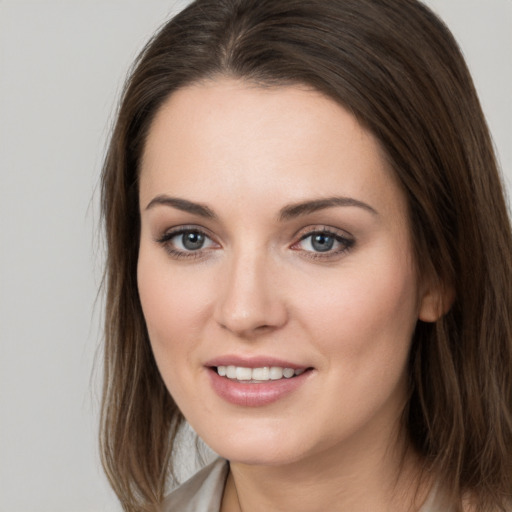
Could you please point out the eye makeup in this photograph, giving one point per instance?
(192, 242)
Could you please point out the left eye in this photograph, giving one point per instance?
(324, 242)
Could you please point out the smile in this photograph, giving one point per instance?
(256, 375)
(258, 385)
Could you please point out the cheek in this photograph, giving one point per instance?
(363, 329)
(364, 317)
(175, 310)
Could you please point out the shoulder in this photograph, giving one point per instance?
(201, 493)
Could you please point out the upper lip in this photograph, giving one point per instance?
(253, 362)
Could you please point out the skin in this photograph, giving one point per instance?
(259, 287)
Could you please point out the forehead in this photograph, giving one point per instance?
(227, 138)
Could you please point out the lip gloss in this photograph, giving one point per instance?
(254, 394)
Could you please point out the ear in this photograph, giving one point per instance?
(435, 301)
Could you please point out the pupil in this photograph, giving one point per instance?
(193, 241)
(322, 243)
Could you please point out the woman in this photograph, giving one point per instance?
(309, 259)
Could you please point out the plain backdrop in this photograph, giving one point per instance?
(62, 64)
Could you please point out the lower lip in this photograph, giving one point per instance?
(250, 394)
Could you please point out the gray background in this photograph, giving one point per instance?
(62, 64)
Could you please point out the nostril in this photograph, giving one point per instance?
(264, 328)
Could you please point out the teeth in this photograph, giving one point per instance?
(243, 373)
(265, 373)
(260, 373)
(276, 373)
(288, 372)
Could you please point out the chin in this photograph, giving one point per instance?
(262, 450)
(254, 457)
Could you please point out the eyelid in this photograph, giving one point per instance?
(175, 231)
(322, 228)
(341, 236)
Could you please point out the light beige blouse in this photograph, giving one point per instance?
(203, 492)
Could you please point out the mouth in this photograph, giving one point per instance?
(256, 381)
(257, 375)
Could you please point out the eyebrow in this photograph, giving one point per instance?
(182, 204)
(288, 212)
(306, 207)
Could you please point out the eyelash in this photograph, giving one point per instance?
(166, 241)
(344, 241)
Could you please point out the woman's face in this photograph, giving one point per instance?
(275, 242)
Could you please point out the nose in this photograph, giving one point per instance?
(250, 301)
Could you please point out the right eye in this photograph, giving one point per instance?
(186, 242)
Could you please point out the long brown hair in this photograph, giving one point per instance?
(396, 66)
